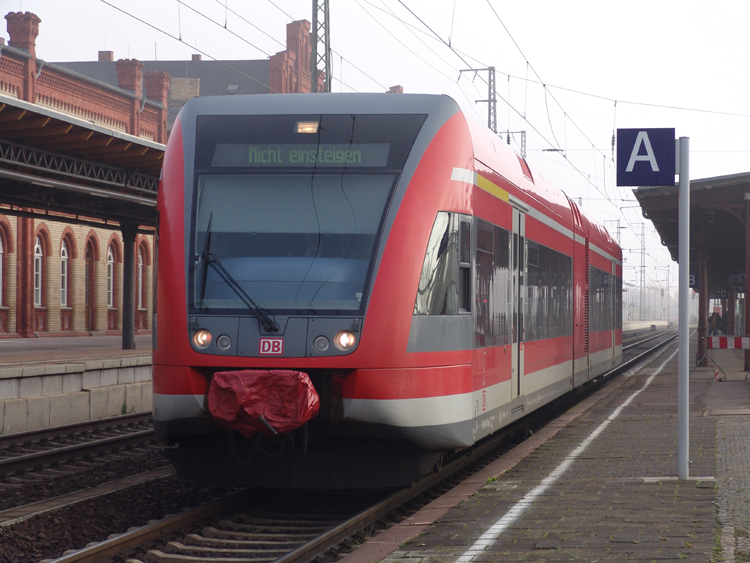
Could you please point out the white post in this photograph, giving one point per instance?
(683, 374)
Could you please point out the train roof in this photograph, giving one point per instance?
(490, 150)
(282, 104)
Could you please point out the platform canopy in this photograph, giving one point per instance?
(718, 213)
(53, 163)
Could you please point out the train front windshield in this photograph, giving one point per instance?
(291, 208)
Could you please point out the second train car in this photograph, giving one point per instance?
(351, 287)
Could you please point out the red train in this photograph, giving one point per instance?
(352, 286)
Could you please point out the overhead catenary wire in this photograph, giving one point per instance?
(556, 144)
(464, 61)
(204, 16)
(432, 35)
(523, 115)
(546, 89)
(247, 21)
(198, 12)
(154, 27)
(219, 24)
(412, 30)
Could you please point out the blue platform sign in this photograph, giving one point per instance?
(645, 157)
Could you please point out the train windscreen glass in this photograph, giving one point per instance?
(294, 216)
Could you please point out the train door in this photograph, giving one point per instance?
(580, 308)
(587, 304)
(518, 270)
(613, 306)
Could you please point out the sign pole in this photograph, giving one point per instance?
(683, 374)
(648, 157)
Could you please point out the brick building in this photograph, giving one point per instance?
(287, 71)
(63, 278)
(57, 277)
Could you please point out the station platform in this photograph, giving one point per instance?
(56, 381)
(600, 483)
(15, 351)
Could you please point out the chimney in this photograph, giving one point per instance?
(106, 56)
(196, 58)
(395, 90)
(157, 86)
(23, 29)
(129, 75)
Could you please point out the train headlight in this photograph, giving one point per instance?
(202, 338)
(306, 127)
(321, 344)
(223, 342)
(345, 340)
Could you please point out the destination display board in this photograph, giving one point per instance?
(350, 155)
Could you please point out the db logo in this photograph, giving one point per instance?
(271, 346)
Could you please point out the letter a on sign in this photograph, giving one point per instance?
(645, 157)
(642, 139)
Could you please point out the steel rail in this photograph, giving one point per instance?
(649, 339)
(115, 545)
(48, 457)
(73, 428)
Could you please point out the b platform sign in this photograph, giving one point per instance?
(645, 157)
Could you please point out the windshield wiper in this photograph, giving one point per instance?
(205, 257)
(212, 260)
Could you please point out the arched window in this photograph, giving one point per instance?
(110, 278)
(88, 282)
(64, 274)
(38, 272)
(140, 278)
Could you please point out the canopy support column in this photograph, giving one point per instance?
(129, 231)
(703, 294)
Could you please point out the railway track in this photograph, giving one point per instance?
(29, 450)
(641, 337)
(262, 527)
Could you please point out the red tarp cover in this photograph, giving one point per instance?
(285, 398)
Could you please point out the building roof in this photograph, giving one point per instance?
(250, 77)
(215, 78)
(718, 212)
(59, 163)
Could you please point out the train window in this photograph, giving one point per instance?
(316, 232)
(465, 239)
(464, 289)
(492, 285)
(604, 302)
(464, 267)
(549, 293)
(501, 291)
(295, 217)
(618, 302)
(442, 284)
(532, 254)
